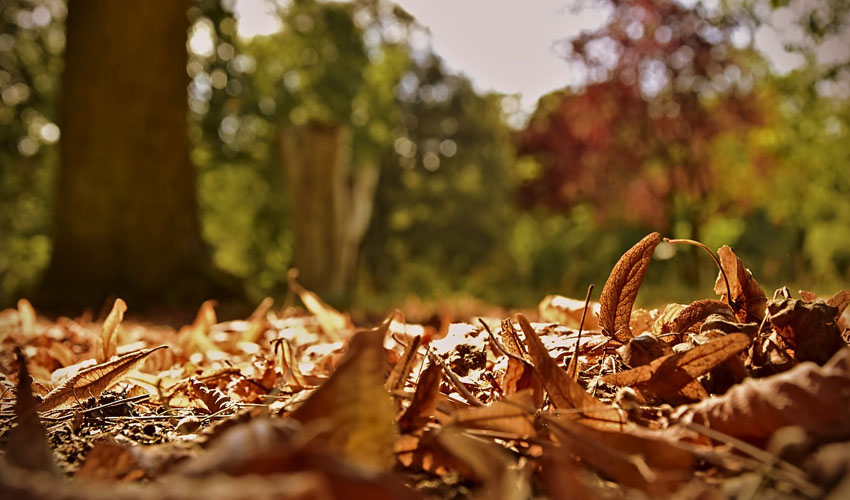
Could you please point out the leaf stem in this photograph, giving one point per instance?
(684, 241)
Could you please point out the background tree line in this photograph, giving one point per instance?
(341, 146)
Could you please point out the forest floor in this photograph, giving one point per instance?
(739, 396)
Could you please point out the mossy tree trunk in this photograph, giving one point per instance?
(331, 206)
(126, 219)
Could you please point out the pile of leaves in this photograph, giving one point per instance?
(737, 397)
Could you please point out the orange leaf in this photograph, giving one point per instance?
(110, 330)
(809, 396)
(748, 297)
(27, 445)
(356, 404)
(665, 377)
(621, 289)
(424, 400)
(92, 381)
(565, 392)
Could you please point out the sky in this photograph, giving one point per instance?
(513, 47)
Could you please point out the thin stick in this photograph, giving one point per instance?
(683, 241)
(572, 368)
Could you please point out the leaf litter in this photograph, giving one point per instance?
(302, 403)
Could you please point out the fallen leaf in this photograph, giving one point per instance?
(92, 381)
(808, 327)
(194, 338)
(289, 365)
(109, 333)
(215, 400)
(815, 398)
(643, 349)
(488, 462)
(356, 404)
(27, 317)
(424, 402)
(748, 298)
(401, 370)
(567, 312)
(332, 322)
(839, 301)
(645, 461)
(565, 392)
(667, 376)
(698, 311)
(621, 289)
(27, 445)
(513, 416)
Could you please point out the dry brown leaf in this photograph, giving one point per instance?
(332, 322)
(488, 462)
(666, 377)
(698, 311)
(839, 301)
(513, 416)
(92, 381)
(519, 372)
(621, 289)
(643, 349)
(401, 370)
(642, 460)
(109, 333)
(424, 402)
(27, 317)
(748, 297)
(289, 365)
(215, 400)
(27, 445)
(565, 392)
(356, 403)
(807, 327)
(567, 312)
(813, 397)
(195, 337)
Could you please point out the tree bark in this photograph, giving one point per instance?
(126, 219)
(331, 205)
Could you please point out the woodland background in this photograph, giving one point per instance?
(341, 148)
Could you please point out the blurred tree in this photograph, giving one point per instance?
(332, 95)
(443, 212)
(125, 219)
(31, 43)
(663, 84)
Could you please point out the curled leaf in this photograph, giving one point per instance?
(748, 298)
(424, 400)
(667, 376)
(109, 332)
(333, 322)
(565, 392)
(698, 311)
(839, 301)
(215, 400)
(809, 328)
(27, 317)
(92, 381)
(621, 289)
(356, 403)
(809, 396)
(27, 445)
(401, 370)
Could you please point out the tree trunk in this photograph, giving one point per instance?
(331, 206)
(126, 219)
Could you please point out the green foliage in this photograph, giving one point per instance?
(31, 43)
